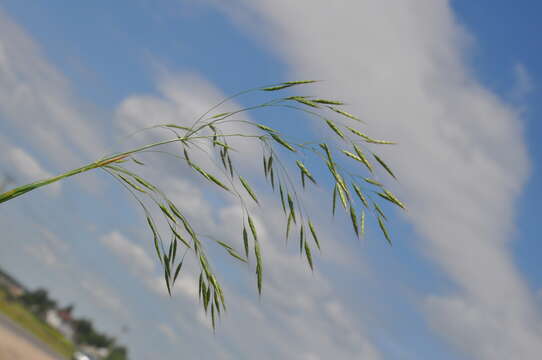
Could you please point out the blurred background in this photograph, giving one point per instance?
(455, 83)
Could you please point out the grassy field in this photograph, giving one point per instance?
(35, 326)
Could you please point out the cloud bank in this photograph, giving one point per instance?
(462, 159)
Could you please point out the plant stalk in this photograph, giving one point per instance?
(20, 190)
(23, 189)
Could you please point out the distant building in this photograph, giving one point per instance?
(99, 353)
(12, 286)
(61, 320)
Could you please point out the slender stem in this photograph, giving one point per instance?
(20, 190)
(23, 189)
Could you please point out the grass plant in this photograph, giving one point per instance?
(358, 193)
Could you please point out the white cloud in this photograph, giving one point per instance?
(103, 295)
(481, 331)
(461, 160)
(44, 254)
(168, 332)
(130, 253)
(186, 283)
(38, 108)
(156, 284)
(49, 250)
(24, 167)
(26, 164)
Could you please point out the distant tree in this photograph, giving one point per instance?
(118, 353)
(38, 301)
(82, 330)
(86, 334)
(359, 192)
(69, 308)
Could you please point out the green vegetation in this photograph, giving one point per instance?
(38, 302)
(118, 353)
(31, 307)
(86, 334)
(356, 184)
(26, 319)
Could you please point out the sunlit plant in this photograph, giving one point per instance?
(358, 193)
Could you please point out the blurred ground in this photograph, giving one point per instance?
(16, 344)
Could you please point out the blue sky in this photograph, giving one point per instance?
(455, 83)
